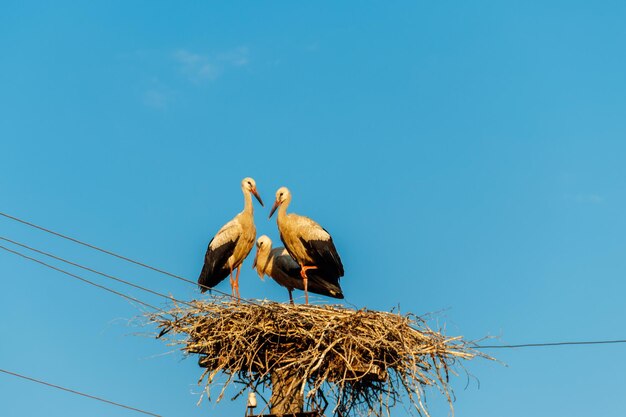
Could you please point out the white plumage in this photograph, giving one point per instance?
(310, 245)
(278, 264)
(231, 245)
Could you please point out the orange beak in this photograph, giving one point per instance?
(274, 207)
(258, 197)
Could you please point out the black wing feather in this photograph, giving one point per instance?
(325, 257)
(215, 267)
(323, 285)
(290, 278)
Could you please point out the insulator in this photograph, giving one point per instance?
(251, 400)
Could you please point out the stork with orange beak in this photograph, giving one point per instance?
(307, 242)
(278, 264)
(232, 243)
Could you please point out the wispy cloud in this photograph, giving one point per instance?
(586, 198)
(200, 68)
(238, 57)
(313, 47)
(196, 67)
(160, 91)
(157, 95)
(155, 99)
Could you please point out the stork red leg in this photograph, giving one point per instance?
(237, 282)
(232, 282)
(305, 280)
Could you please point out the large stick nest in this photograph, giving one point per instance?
(361, 361)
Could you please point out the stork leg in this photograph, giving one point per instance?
(232, 281)
(290, 297)
(305, 280)
(237, 282)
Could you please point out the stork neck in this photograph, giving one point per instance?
(266, 262)
(282, 209)
(247, 202)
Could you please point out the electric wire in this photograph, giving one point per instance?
(80, 242)
(96, 272)
(93, 397)
(161, 271)
(525, 345)
(83, 279)
(522, 345)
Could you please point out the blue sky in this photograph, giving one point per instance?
(467, 158)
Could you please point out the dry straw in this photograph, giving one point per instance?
(362, 362)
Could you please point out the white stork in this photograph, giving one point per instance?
(278, 264)
(231, 244)
(307, 242)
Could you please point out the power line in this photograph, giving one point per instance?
(82, 279)
(161, 271)
(80, 242)
(93, 397)
(96, 272)
(524, 345)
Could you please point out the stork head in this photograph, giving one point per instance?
(282, 195)
(249, 185)
(263, 248)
